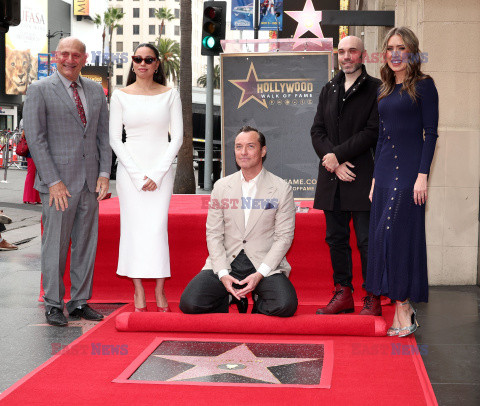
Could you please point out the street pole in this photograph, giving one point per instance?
(49, 36)
(48, 50)
(207, 176)
(256, 18)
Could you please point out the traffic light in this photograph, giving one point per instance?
(213, 27)
(9, 14)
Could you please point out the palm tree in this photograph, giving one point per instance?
(111, 18)
(163, 14)
(202, 80)
(98, 22)
(169, 51)
(185, 178)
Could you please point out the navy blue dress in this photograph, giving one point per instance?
(397, 253)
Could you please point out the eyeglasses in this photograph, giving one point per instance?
(148, 60)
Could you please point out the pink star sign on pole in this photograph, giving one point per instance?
(308, 20)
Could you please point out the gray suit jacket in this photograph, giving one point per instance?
(269, 231)
(61, 147)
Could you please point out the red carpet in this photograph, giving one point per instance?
(305, 324)
(365, 371)
(309, 256)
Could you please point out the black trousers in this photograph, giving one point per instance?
(2, 227)
(338, 239)
(275, 294)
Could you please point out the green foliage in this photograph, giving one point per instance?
(169, 51)
(202, 80)
(163, 14)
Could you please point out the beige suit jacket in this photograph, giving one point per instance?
(269, 231)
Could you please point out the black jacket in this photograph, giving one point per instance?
(351, 134)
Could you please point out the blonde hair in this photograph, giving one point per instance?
(414, 63)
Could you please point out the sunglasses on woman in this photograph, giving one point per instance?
(148, 60)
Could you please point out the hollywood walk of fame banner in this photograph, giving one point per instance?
(277, 93)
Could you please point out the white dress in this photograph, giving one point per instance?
(143, 251)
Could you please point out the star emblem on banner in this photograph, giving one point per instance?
(249, 88)
(239, 360)
(308, 20)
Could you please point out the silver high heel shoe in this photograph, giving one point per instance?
(393, 331)
(413, 327)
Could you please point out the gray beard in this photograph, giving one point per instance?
(356, 67)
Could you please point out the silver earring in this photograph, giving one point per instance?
(133, 70)
(156, 70)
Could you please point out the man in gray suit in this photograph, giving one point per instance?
(250, 227)
(66, 126)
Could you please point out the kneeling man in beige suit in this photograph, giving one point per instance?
(250, 227)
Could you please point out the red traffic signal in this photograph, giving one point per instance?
(213, 13)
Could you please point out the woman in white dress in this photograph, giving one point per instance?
(149, 111)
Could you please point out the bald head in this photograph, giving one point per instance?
(72, 41)
(70, 57)
(350, 54)
(351, 42)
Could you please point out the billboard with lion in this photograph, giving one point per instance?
(23, 44)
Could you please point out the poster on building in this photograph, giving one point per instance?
(271, 15)
(277, 93)
(43, 66)
(81, 7)
(98, 74)
(23, 43)
(270, 12)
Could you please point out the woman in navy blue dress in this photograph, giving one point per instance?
(408, 108)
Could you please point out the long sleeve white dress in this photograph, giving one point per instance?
(143, 251)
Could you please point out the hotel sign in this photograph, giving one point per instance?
(80, 7)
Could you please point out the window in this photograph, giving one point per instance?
(176, 30)
(136, 13)
(136, 29)
(135, 45)
(161, 30)
(119, 80)
(177, 13)
(119, 65)
(151, 29)
(120, 30)
(119, 46)
(151, 12)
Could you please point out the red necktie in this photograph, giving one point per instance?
(79, 104)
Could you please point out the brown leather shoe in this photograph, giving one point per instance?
(371, 306)
(6, 246)
(341, 302)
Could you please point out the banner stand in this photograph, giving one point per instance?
(276, 90)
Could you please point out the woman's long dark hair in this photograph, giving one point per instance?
(158, 76)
